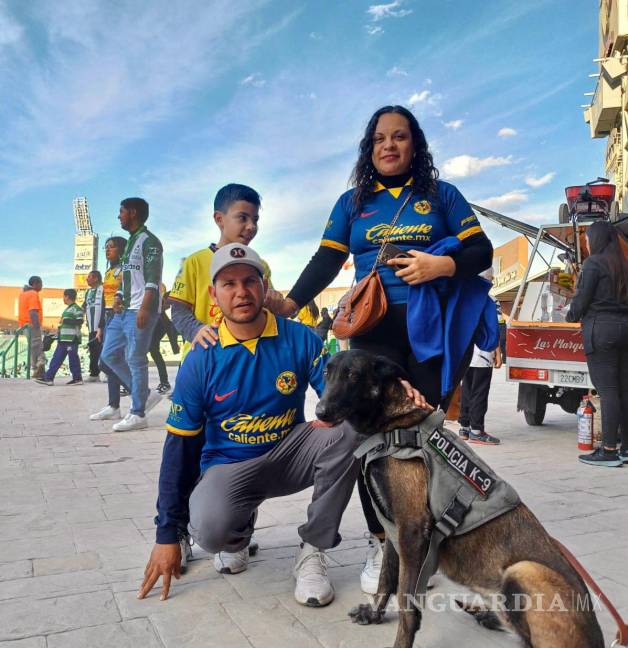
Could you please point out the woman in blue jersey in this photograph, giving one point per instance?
(394, 161)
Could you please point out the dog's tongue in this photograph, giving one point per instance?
(320, 424)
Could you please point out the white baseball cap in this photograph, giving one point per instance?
(233, 254)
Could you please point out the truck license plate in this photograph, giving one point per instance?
(569, 378)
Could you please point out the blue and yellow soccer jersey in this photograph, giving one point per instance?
(423, 222)
(246, 396)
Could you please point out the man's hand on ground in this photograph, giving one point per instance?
(415, 395)
(205, 336)
(165, 560)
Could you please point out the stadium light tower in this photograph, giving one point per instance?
(85, 246)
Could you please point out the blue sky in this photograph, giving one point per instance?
(170, 101)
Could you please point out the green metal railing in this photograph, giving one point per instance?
(15, 354)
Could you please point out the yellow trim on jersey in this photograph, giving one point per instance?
(395, 191)
(227, 338)
(179, 432)
(335, 245)
(470, 232)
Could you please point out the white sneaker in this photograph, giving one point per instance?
(369, 578)
(107, 413)
(131, 422)
(152, 400)
(185, 544)
(310, 571)
(226, 562)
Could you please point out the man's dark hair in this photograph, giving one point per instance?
(96, 273)
(139, 205)
(34, 279)
(71, 293)
(233, 192)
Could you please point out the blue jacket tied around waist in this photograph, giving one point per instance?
(468, 315)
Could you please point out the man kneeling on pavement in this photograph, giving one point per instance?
(237, 418)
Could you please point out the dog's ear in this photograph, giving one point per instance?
(387, 370)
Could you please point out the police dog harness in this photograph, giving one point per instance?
(463, 491)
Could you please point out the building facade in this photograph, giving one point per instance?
(607, 115)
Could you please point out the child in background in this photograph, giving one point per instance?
(68, 340)
(94, 309)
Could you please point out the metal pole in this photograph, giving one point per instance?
(15, 350)
(28, 352)
(515, 305)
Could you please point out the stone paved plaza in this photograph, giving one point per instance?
(76, 528)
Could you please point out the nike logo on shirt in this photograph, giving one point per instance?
(367, 214)
(222, 398)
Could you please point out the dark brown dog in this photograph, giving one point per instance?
(511, 556)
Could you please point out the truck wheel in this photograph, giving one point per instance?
(613, 214)
(563, 214)
(536, 416)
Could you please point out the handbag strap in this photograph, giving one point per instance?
(393, 222)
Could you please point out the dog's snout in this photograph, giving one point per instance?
(321, 411)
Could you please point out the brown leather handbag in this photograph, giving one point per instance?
(364, 305)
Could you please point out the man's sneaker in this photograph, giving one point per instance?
(124, 391)
(463, 433)
(107, 413)
(75, 381)
(151, 401)
(623, 455)
(226, 562)
(130, 422)
(43, 381)
(601, 457)
(481, 438)
(310, 571)
(92, 379)
(38, 372)
(185, 543)
(369, 578)
(163, 388)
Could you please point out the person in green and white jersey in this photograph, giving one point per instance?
(68, 340)
(136, 307)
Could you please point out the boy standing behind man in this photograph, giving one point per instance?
(194, 313)
(69, 338)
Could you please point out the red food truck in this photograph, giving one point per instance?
(545, 354)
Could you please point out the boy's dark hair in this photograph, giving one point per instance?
(34, 279)
(118, 241)
(233, 192)
(71, 293)
(139, 205)
(96, 274)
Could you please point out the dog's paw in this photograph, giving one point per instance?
(486, 618)
(364, 614)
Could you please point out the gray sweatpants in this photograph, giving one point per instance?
(38, 359)
(223, 504)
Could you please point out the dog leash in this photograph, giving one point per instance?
(621, 638)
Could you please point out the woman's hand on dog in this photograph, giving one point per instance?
(420, 267)
(415, 395)
(165, 560)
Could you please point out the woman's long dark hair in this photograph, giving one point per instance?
(313, 308)
(604, 240)
(119, 242)
(424, 173)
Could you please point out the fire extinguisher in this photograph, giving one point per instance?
(585, 425)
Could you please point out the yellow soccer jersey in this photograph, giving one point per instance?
(191, 287)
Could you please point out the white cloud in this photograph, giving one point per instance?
(539, 182)
(390, 10)
(373, 30)
(396, 71)
(463, 166)
(10, 30)
(454, 124)
(511, 199)
(69, 126)
(254, 80)
(315, 36)
(506, 132)
(419, 97)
